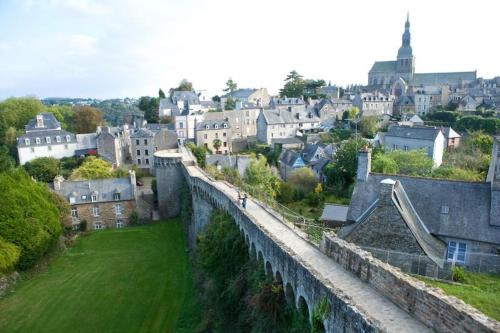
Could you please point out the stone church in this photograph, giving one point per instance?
(398, 75)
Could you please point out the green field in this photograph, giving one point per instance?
(135, 279)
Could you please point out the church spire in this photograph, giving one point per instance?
(406, 34)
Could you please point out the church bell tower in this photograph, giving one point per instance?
(405, 66)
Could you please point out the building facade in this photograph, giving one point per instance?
(210, 132)
(149, 139)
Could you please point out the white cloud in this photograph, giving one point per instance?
(87, 7)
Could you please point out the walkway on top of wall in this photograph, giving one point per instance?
(367, 299)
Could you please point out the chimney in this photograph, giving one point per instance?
(39, 121)
(364, 164)
(131, 175)
(385, 194)
(58, 180)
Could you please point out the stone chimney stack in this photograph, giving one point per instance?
(385, 194)
(39, 121)
(494, 178)
(133, 182)
(58, 180)
(364, 164)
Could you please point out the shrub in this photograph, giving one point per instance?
(458, 274)
(9, 255)
(43, 169)
(133, 218)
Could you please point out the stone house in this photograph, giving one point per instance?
(243, 120)
(281, 124)
(289, 161)
(373, 104)
(468, 104)
(103, 203)
(287, 103)
(447, 221)
(404, 104)
(332, 108)
(259, 97)
(149, 139)
(430, 139)
(113, 144)
(44, 138)
(185, 125)
(210, 130)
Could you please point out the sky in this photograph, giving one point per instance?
(130, 48)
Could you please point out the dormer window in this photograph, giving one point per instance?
(116, 196)
(58, 139)
(47, 139)
(84, 197)
(207, 126)
(68, 138)
(38, 141)
(93, 197)
(216, 126)
(225, 125)
(27, 142)
(445, 209)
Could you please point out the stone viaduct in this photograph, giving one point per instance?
(364, 294)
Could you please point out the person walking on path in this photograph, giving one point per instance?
(244, 201)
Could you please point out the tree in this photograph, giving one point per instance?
(231, 86)
(93, 168)
(384, 164)
(304, 180)
(368, 126)
(230, 104)
(6, 161)
(150, 106)
(259, 175)
(353, 112)
(412, 162)
(217, 143)
(294, 86)
(65, 114)
(447, 117)
(43, 169)
(286, 192)
(161, 94)
(87, 119)
(184, 85)
(216, 98)
(18, 111)
(29, 219)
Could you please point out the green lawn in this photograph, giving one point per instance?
(482, 291)
(130, 280)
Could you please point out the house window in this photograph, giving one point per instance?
(216, 126)
(225, 144)
(98, 226)
(93, 197)
(181, 124)
(145, 141)
(147, 161)
(138, 142)
(37, 141)
(146, 152)
(224, 134)
(84, 197)
(138, 161)
(138, 152)
(225, 125)
(456, 251)
(95, 211)
(207, 127)
(58, 139)
(68, 138)
(47, 139)
(445, 209)
(395, 147)
(216, 135)
(74, 212)
(27, 142)
(119, 224)
(406, 148)
(116, 196)
(118, 209)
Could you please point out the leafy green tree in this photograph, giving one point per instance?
(43, 169)
(230, 86)
(286, 193)
(353, 112)
(6, 161)
(65, 114)
(259, 175)
(368, 126)
(184, 85)
(18, 111)
(447, 117)
(29, 218)
(412, 162)
(294, 86)
(304, 180)
(477, 123)
(217, 143)
(311, 88)
(87, 119)
(230, 103)
(216, 98)
(161, 94)
(93, 168)
(199, 152)
(481, 141)
(384, 164)
(150, 106)
(9, 255)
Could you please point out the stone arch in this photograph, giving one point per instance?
(260, 257)
(278, 278)
(253, 252)
(269, 270)
(303, 307)
(290, 294)
(247, 239)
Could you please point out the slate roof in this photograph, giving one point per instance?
(468, 205)
(289, 117)
(287, 141)
(103, 188)
(309, 151)
(241, 93)
(49, 123)
(333, 212)
(202, 126)
(449, 133)
(416, 119)
(435, 79)
(320, 164)
(414, 132)
(288, 157)
(384, 66)
(53, 134)
(190, 96)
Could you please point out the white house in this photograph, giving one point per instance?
(430, 139)
(185, 125)
(45, 138)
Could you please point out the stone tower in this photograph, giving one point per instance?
(168, 169)
(405, 65)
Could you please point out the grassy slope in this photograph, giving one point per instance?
(482, 291)
(130, 280)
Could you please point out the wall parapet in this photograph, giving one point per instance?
(428, 304)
